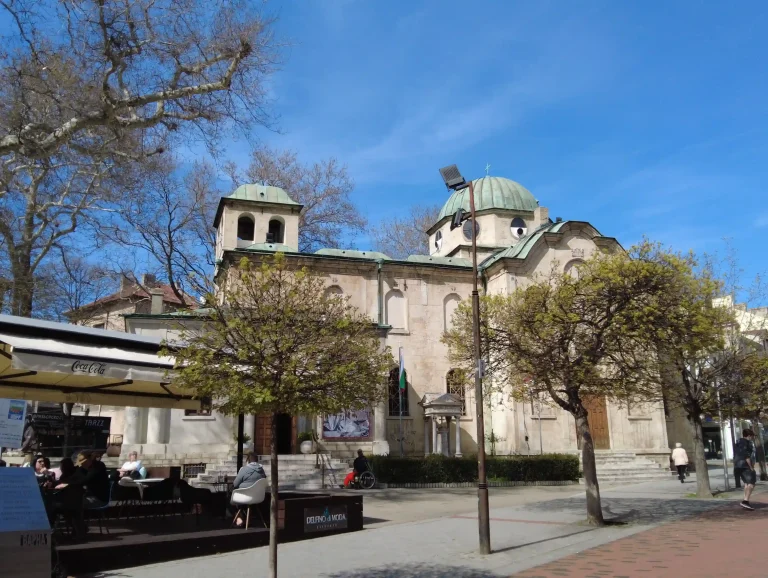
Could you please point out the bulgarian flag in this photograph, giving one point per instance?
(402, 370)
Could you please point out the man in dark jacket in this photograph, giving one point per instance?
(744, 461)
(93, 477)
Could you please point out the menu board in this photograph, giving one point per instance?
(12, 414)
(21, 505)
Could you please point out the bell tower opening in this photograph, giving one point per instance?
(275, 231)
(245, 228)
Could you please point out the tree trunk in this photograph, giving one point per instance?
(761, 449)
(594, 507)
(22, 289)
(273, 500)
(700, 460)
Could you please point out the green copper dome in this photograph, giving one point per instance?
(491, 193)
(262, 193)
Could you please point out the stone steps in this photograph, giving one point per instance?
(297, 472)
(627, 467)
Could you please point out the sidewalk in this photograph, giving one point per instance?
(523, 536)
(727, 541)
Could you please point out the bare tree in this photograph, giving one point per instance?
(170, 222)
(322, 187)
(403, 236)
(69, 283)
(91, 90)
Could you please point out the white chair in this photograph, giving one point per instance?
(247, 497)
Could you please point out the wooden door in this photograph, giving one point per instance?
(263, 434)
(598, 422)
(263, 437)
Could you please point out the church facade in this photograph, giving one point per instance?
(412, 303)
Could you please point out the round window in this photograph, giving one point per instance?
(439, 240)
(467, 229)
(518, 227)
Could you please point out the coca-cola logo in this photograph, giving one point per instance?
(89, 367)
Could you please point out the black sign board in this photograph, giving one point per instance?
(325, 518)
(79, 422)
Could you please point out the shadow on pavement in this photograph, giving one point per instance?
(415, 571)
(634, 511)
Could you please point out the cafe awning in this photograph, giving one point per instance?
(58, 362)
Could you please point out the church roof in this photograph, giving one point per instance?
(263, 194)
(491, 193)
(276, 247)
(353, 254)
(527, 243)
(456, 261)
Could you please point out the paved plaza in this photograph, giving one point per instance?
(657, 530)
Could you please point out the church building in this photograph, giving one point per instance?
(412, 302)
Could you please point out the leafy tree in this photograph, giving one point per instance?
(691, 334)
(277, 342)
(400, 237)
(573, 337)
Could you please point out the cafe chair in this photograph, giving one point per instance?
(244, 498)
(99, 511)
(126, 493)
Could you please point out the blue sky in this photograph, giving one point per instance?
(642, 118)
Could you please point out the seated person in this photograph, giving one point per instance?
(132, 467)
(2, 463)
(92, 476)
(248, 475)
(67, 469)
(43, 471)
(359, 466)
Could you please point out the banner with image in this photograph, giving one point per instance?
(347, 425)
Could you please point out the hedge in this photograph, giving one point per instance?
(435, 469)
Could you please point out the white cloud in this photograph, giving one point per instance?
(762, 221)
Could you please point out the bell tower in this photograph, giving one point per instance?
(258, 217)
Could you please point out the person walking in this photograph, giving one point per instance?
(680, 457)
(743, 459)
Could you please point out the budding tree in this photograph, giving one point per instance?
(277, 342)
(575, 337)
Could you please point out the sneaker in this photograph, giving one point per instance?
(746, 506)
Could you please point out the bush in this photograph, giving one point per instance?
(440, 469)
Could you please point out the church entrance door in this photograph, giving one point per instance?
(286, 434)
(598, 422)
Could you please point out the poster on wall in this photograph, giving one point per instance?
(347, 425)
(12, 414)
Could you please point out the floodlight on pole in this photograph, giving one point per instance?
(453, 180)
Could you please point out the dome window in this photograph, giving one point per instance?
(245, 228)
(467, 229)
(439, 240)
(518, 227)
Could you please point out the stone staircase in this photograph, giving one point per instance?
(295, 472)
(627, 467)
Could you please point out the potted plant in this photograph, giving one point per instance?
(306, 443)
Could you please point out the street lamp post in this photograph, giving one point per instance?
(454, 180)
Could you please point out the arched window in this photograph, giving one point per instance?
(393, 387)
(439, 241)
(275, 230)
(395, 310)
(456, 383)
(245, 228)
(334, 290)
(450, 303)
(572, 268)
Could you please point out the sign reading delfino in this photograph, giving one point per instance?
(323, 519)
(91, 368)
